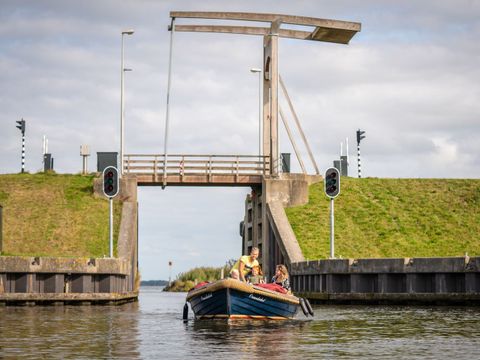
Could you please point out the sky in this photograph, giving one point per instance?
(410, 79)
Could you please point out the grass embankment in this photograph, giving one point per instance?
(392, 218)
(54, 215)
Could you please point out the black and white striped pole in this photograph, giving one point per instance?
(360, 136)
(21, 126)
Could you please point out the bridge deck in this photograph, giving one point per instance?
(197, 170)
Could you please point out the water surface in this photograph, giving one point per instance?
(153, 329)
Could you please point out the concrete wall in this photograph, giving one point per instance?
(1, 228)
(453, 280)
(46, 280)
(253, 222)
(128, 235)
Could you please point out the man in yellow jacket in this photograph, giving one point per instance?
(245, 264)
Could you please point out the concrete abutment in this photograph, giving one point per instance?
(449, 280)
(58, 281)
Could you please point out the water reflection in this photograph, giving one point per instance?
(67, 332)
(153, 329)
(348, 332)
(257, 338)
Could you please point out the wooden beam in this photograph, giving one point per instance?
(261, 17)
(244, 30)
(332, 35)
(200, 180)
(319, 34)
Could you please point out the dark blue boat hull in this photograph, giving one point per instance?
(232, 303)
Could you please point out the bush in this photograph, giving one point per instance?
(187, 280)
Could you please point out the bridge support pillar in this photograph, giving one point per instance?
(266, 225)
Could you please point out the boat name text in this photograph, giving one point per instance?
(258, 298)
(206, 296)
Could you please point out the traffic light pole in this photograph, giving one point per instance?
(111, 187)
(332, 189)
(111, 226)
(332, 237)
(22, 126)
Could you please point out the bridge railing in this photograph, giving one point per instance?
(185, 165)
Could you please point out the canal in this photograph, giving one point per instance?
(153, 329)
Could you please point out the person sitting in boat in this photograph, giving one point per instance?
(281, 277)
(245, 264)
(234, 274)
(256, 276)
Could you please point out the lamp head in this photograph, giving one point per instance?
(255, 70)
(128, 32)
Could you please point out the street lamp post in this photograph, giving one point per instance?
(259, 72)
(122, 102)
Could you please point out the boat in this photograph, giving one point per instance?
(234, 299)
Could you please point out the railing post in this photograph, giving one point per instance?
(182, 168)
(237, 169)
(209, 169)
(155, 162)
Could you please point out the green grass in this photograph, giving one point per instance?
(392, 218)
(48, 214)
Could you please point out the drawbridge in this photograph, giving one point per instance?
(265, 224)
(239, 170)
